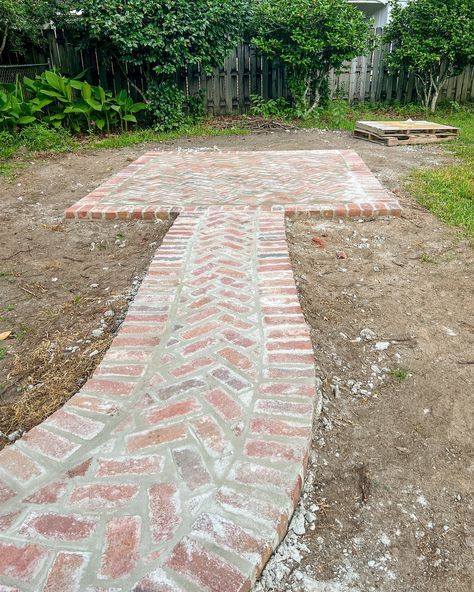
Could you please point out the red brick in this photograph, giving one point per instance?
(65, 573)
(93, 404)
(236, 359)
(80, 470)
(23, 562)
(212, 437)
(173, 411)
(180, 388)
(198, 346)
(275, 407)
(197, 564)
(59, 527)
(224, 404)
(230, 379)
(5, 492)
(291, 358)
(18, 465)
(82, 427)
(112, 388)
(254, 508)
(6, 520)
(289, 345)
(49, 444)
(157, 581)
(165, 511)
(225, 533)
(49, 494)
(191, 468)
(287, 389)
(143, 465)
(130, 370)
(103, 496)
(202, 329)
(193, 366)
(274, 451)
(238, 339)
(132, 341)
(277, 427)
(122, 541)
(235, 322)
(156, 437)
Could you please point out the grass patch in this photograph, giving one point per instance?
(15, 149)
(446, 191)
(399, 373)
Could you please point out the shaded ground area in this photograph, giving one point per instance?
(392, 499)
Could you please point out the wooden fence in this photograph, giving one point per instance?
(245, 73)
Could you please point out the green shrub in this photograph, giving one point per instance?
(168, 108)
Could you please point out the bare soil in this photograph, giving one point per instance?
(393, 495)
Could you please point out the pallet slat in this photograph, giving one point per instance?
(399, 133)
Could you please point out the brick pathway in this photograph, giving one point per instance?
(178, 464)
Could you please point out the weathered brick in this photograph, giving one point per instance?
(224, 404)
(278, 427)
(193, 366)
(129, 465)
(212, 437)
(17, 465)
(165, 511)
(93, 404)
(235, 358)
(227, 534)
(274, 451)
(157, 581)
(65, 573)
(173, 411)
(98, 495)
(111, 388)
(60, 527)
(49, 444)
(21, 562)
(197, 564)
(191, 468)
(155, 437)
(83, 427)
(122, 541)
(5, 492)
(49, 494)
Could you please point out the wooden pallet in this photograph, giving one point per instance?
(399, 133)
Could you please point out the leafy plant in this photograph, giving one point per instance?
(310, 37)
(62, 102)
(269, 108)
(434, 40)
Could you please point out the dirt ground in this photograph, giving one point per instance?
(390, 508)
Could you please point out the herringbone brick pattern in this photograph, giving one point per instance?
(178, 464)
(331, 183)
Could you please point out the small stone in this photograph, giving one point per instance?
(108, 314)
(367, 335)
(310, 517)
(94, 286)
(97, 333)
(297, 524)
(381, 345)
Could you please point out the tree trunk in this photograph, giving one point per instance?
(434, 99)
(4, 41)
